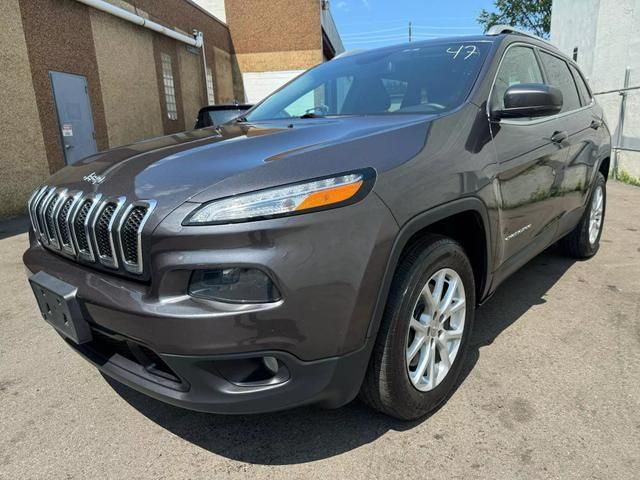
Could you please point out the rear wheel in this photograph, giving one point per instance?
(584, 240)
(425, 331)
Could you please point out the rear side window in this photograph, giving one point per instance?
(519, 65)
(559, 76)
(585, 95)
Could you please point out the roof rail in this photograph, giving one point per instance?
(500, 29)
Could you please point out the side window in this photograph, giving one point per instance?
(169, 87)
(560, 77)
(519, 65)
(585, 95)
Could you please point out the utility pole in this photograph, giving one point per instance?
(409, 31)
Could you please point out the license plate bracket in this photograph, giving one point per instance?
(59, 307)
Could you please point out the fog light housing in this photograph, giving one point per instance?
(233, 285)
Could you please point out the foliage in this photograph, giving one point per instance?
(531, 15)
(625, 177)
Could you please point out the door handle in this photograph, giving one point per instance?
(559, 137)
(68, 147)
(596, 124)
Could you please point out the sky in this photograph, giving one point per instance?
(376, 23)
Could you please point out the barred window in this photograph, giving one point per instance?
(169, 87)
(210, 94)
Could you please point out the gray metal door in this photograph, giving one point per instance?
(75, 120)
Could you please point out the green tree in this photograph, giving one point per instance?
(531, 15)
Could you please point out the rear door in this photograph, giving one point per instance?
(580, 125)
(531, 153)
(75, 120)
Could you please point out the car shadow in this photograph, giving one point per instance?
(308, 434)
(13, 226)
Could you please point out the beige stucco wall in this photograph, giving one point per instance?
(224, 77)
(23, 162)
(190, 66)
(127, 70)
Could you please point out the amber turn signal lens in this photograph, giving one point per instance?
(330, 196)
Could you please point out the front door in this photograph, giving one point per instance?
(71, 96)
(531, 157)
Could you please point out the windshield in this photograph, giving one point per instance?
(425, 79)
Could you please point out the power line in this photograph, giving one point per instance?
(359, 34)
(399, 37)
(403, 21)
(391, 37)
(413, 27)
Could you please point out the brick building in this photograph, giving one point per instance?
(80, 76)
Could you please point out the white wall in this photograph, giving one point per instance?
(607, 34)
(258, 85)
(574, 23)
(214, 7)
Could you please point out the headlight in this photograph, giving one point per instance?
(291, 199)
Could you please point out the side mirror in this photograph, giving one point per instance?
(526, 100)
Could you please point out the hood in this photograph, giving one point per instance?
(206, 164)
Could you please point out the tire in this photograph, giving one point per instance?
(583, 242)
(387, 386)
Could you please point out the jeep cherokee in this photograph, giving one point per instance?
(335, 240)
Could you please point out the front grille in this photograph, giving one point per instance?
(63, 225)
(35, 206)
(103, 231)
(79, 225)
(50, 222)
(129, 234)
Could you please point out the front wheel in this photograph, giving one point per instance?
(584, 240)
(425, 331)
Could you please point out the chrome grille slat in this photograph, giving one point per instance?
(102, 231)
(61, 218)
(130, 234)
(80, 226)
(90, 228)
(51, 217)
(33, 202)
(37, 211)
(41, 209)
(63, 223)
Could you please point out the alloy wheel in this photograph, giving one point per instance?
(435, 330)
(595, 219)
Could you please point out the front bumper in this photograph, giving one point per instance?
(328, 383)
(327, 265)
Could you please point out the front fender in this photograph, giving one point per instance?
(418, 223)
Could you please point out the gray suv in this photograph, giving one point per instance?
(335, 240)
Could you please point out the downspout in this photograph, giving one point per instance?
(200, 36)
(195, 41)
